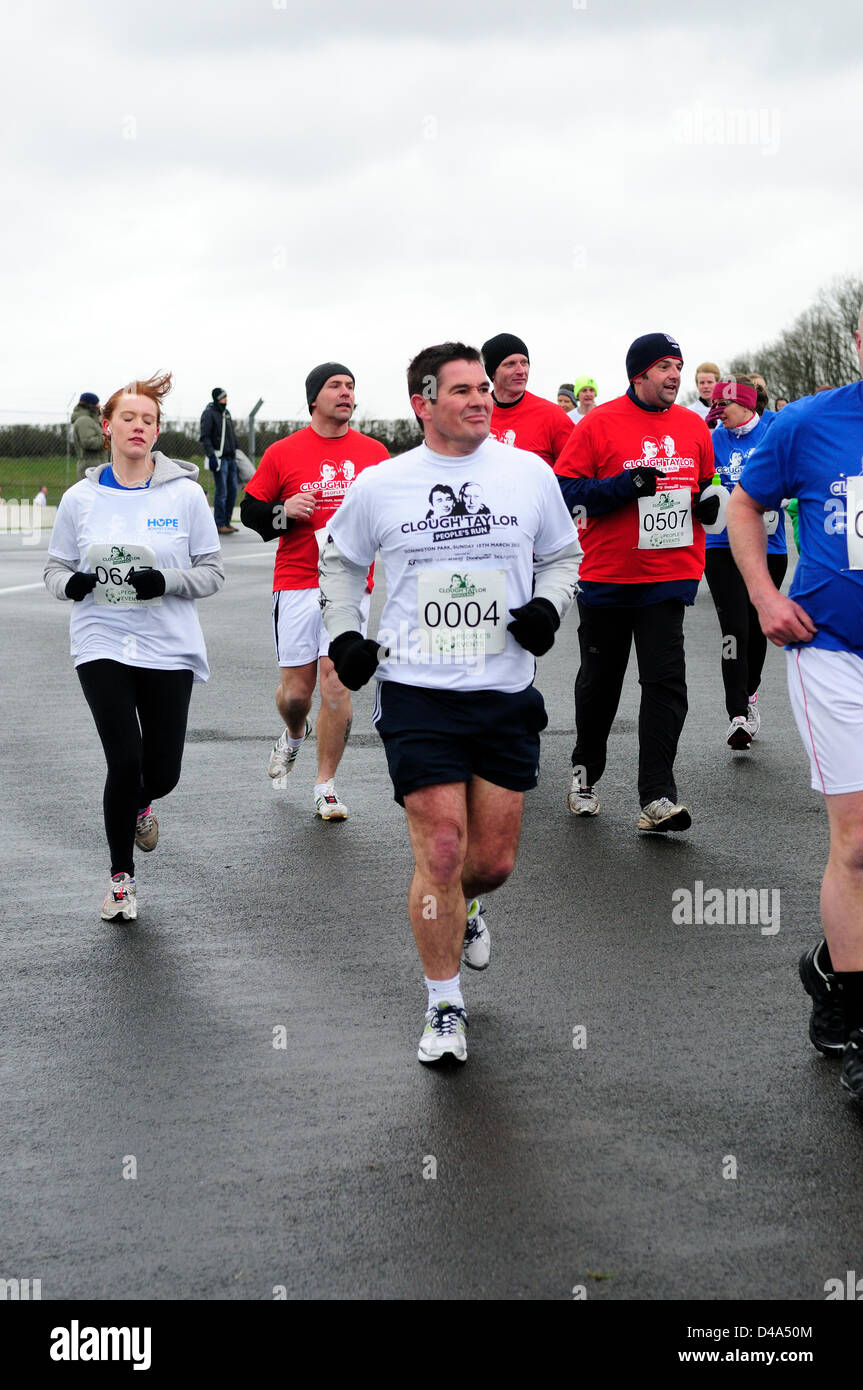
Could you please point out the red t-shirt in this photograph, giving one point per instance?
(620, 435)
(321, 468)
(534, 424)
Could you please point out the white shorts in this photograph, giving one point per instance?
(826, 690)
(298, 628)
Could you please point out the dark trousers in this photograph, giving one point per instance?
(605, 636)
(744, 645)
(141, 719)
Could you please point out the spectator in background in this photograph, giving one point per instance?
(41, 498)
(566, 398)
(757, 380)
(220, 446)
(88, 439)
(781, 402)
(706, 377)
(586, 392)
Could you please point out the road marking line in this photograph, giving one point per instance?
(20, 588)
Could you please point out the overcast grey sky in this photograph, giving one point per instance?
(240, 189)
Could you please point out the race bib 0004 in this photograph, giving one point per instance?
(665, 521)
(111, 565)
(462, 615)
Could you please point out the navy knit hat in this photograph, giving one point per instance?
(496, 350)
(218, 392)
(88, 398)
(648, 350)
(319, 376)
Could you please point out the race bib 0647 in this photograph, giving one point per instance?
(112, 565)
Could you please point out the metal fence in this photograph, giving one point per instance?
(33, 456)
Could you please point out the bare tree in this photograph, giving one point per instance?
(818, 348)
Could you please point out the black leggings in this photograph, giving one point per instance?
(744, 645)
(141, 718)
(605, 635)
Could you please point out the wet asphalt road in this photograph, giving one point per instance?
(149, 1049)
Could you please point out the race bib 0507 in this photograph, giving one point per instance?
(462, 615)
(112, 565)
(665, 521)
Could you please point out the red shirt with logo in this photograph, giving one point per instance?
(620, 435)
(322, 469)
(534, 424)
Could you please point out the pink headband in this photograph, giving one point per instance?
(728, 392)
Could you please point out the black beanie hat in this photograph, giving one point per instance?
(649, 349)
(496, 350)
(217, 393)
(319, 376)
(88, 398)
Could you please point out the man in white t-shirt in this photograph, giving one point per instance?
(475, 591)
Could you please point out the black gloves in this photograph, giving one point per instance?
(147, 583)
(355, 658)
(80, 585)
(645, 481)
(213, 463)
(534, 626)
(707, 511)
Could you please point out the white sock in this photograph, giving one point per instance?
(444, 992)
(294, 742)
(321, 787)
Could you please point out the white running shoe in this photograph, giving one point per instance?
(445, 1034)
(146, 831)
(662, 814)
(582, 801)
(283, 757)
(328, 806)
(120, 900)
(739, 736)
(476, 950)
(753, 716)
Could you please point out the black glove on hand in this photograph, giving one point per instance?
(213, 463)
(80, 585)
(707, 510)
(147, 583)
(534, 626)
(645, 481)
(355, 658)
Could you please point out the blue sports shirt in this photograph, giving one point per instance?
(809, 452)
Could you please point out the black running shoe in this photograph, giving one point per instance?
(827, 1029)
(852, 1065)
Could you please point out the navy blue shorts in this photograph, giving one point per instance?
(436, 736)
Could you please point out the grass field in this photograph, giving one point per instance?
(22, 478)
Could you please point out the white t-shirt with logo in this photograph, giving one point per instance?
(174, 520)
(457, 538)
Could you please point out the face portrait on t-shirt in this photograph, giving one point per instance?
(470, 501)
(443, 501)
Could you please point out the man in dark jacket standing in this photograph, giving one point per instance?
(220, 446)
(88, 439)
